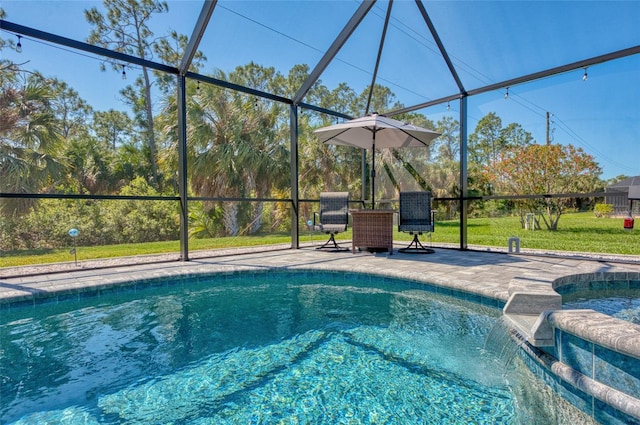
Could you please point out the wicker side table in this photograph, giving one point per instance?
(372, 229)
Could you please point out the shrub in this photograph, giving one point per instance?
(603, 210)
(100, 222)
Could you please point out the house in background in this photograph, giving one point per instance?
(621, 195)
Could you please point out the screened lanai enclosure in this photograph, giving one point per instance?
(181, 126)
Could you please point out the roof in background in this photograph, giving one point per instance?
(624, 184)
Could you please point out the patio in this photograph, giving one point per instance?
(480, 273)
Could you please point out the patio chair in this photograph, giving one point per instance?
(332, 218)
(415, 218)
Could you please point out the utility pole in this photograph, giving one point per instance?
(548, 138)
(549, 130)
(547, 154)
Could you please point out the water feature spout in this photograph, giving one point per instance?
(504, 341)
(526, 311)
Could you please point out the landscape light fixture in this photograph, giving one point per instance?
(198, 87)
(19, 45)
(74, 235)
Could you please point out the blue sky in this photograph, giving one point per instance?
(489, 42)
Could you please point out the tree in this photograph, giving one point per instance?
(543, 170)
(447, 145)
(90, 165)
(323, 166)
(342, 99)
(171, 50)
(444, 175)
(30, 140)
(113, 128)
(486, 144)
(73, 112)
(264, 150)
(515, 135)
(131, 161)
(382, 100)
(234, 148)
(487, 141)
(125, 29)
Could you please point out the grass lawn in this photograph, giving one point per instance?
(577, 232)
(58, 255)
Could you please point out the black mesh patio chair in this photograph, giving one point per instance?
(332, 218)
(416, 218)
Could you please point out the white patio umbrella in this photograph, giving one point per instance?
(375, 131)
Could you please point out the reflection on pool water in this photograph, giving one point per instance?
(623, 304)
(314, 348)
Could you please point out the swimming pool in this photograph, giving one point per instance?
(623, 304)
(619, 299)
(261, 348)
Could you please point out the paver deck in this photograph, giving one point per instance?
(483, 273)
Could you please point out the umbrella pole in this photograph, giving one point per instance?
(373, 172)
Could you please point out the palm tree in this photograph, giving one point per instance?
(30, 140)
(266, 154)
(323, 166)
(235, 147)
(214, 134)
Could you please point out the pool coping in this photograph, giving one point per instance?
(487, 274)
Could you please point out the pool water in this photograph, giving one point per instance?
(623, 304)
(259, 349)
